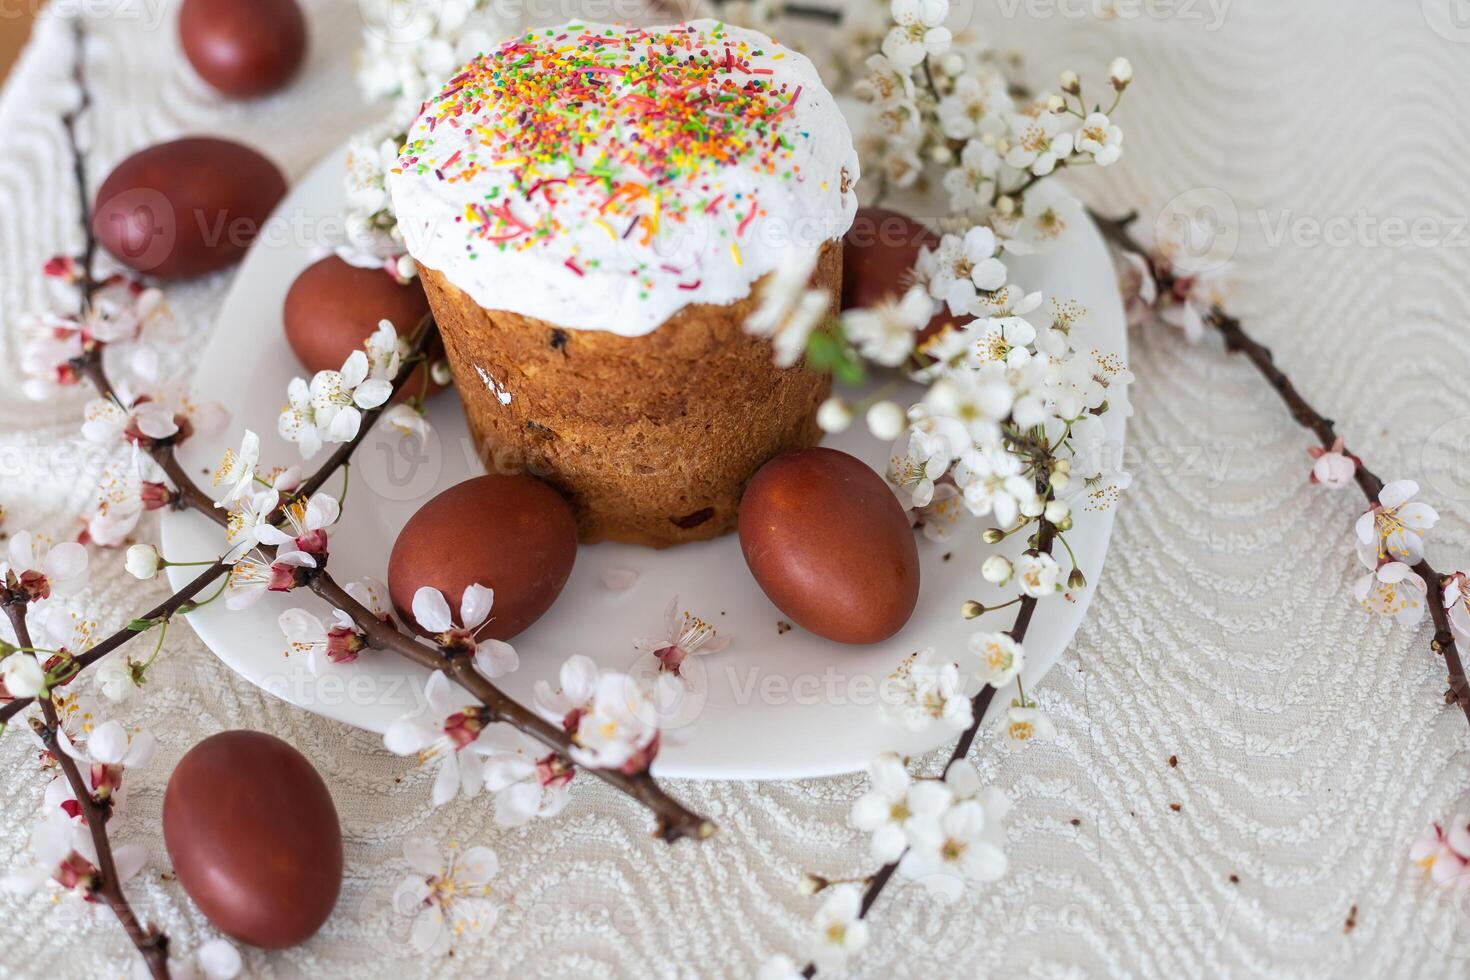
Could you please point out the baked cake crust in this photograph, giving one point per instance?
(652, 438)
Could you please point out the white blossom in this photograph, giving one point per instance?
(444, 735)
(998, 658)
(919, 31)
(40, 569)
(1038, 575)
(526, 785)
(446, 893)
(1393, 589)
(894, 805)
(1389, 529)
(788, 310)
(1027, 723)
(923, 691)
(1041, 140)
(962, 266)
(839, 932)
(1099, 137)
(885, 333)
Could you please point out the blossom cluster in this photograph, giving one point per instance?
(946, 109)
(1009, 428)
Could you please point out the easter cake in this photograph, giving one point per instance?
(594, 209)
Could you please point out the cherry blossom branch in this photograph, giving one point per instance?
(675, 821)
(1238, 341)
(151, 944)
(978, 704)
(158, 614)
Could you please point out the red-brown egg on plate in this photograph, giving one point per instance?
(829, 544)
(243, 48)
(254, 838)
(878, 256)
(513, 534)
(334, 306)
(186, 207)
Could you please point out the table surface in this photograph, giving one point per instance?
(1312, 743)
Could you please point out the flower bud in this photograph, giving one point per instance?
(440, 372)
(22, 676)
(941, 154)
(971, 609)
(1055, 103)
(1005, 204)
(1071, 84)
(405, 268)
(886, 420)
(1121, 73)
(834, 415)
(142, 562)
(811, 884)
(1056, 511)
(1032, 507)
(1061, 466)
(997, 570)
(1076, 580)
(952, 64)
(993, 535)
(1059, 481)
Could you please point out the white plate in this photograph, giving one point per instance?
(779, 705)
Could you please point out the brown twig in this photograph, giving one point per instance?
(1238, 341)
(151, 944)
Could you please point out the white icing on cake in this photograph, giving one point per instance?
(603, 178)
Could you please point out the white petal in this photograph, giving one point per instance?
(579, 678)
(430, 935)
(495, 658)
(140, 750)
(471, 774)
(66, 560)
(407, 736)
(888, 843)
(354, 369)
(477, 866)
(1395, 493)
(219, 960)
(475, 605)
(108, 743)
(129, 860)
(322, 510)
(436, 692)
(503, 770)
(372, 393)
(301, 626)
(431, 611)
(517, 804)
(446, 780)
(424, 856)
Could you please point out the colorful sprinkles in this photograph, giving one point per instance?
(619, 127)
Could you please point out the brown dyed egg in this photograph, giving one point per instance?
(513, 534)
(334, 306)
(243, 48)
(878, 255)
(829, 544)
(254, 838)
(185, 208)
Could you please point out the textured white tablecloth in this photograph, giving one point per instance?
(1312, 743)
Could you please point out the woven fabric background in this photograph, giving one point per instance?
(1312, 743)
